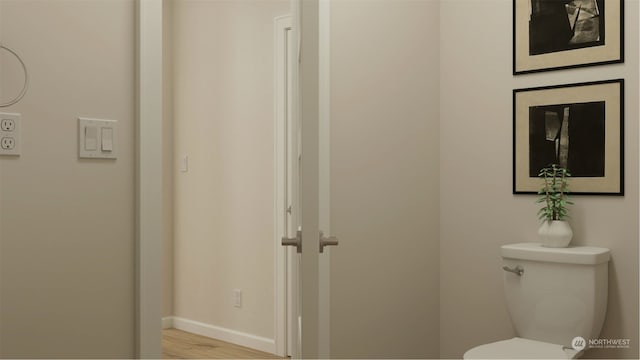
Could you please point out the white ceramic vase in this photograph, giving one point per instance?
(555, 233)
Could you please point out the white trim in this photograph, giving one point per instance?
(167, 322)
(232, 336)
(281, 24)
(148, 312)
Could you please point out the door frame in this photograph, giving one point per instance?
(149, 173)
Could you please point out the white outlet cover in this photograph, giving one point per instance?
(11, 132)
(96, 150)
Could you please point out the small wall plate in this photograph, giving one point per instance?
(10, 130)
(97, 139)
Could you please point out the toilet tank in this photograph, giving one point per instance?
(562, 292)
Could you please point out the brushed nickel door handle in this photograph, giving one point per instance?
(327, 241)
(296, 241)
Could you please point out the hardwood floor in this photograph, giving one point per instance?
(178, 344)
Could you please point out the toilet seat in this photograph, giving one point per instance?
(519, 348)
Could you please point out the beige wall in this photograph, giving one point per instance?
(224, 205)
(67, 225)
(384, 179)
(478, 211)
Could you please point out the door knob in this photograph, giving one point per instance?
(327, 241)
(296, 241)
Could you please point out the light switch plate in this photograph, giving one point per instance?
(10, 130)
(184, 164)
(97, 139)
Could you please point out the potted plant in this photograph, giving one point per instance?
(555, 230)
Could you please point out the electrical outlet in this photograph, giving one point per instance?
(10, 134)
(8, 143)
(8, 125)
(237, 298)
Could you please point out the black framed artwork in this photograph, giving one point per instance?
(561, 34)
(577, 126)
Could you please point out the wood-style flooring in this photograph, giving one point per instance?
(178, 344)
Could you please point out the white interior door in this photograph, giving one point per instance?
(302, 178)
(292, 217)
(369, 150)
(307, 17)
(307, 313)
(287, 158)
(292, 156)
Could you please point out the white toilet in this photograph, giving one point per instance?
(553, 296)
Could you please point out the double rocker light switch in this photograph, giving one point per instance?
(97, 138)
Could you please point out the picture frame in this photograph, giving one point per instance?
(578, 126)
(553, 35)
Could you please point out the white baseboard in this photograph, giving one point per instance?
(224, 334)
(167, 322)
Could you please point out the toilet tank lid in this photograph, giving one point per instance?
(586, 255)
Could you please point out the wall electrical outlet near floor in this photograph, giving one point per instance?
(10, 134)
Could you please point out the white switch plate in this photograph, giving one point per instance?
(184, 164)
(237, 298)
(10, 130)
(90, 147)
